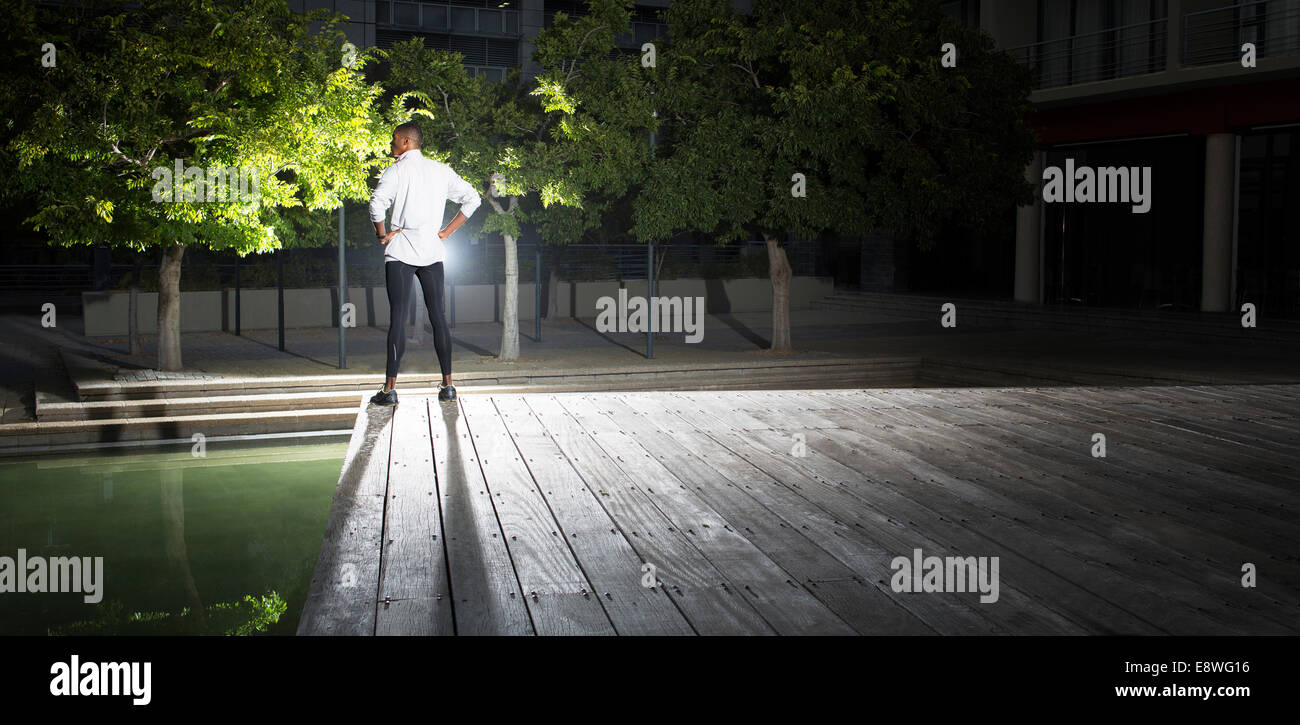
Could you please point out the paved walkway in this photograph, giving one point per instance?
(31, 358)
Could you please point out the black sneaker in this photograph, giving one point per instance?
(446, 393)
(385, 398)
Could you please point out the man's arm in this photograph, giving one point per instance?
(451, 228)
(385, 191)
(461, 192)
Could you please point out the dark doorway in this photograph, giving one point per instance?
(1268, 217)
(1104, 254)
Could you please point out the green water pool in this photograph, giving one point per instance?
(220, 544)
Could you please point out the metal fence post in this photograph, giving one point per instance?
(649, 298)
(343, 291)
(279, 283)
(236, 295)
(537, 289)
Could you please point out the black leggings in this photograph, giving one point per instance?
(399, 276)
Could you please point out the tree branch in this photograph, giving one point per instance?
(446, 107)
(578, 53)
(749, 68)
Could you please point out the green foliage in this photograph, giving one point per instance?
(213, 84)
(849, 93)
(247, 617)
(562, 152)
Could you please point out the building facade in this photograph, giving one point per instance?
(494, 36)
(1205, 93)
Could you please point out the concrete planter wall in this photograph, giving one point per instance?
(720, 295)
(105, 313)
(259, 308)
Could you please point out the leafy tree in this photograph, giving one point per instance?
(214, 85)
(557, 154)
(816, 116)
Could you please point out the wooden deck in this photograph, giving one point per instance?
(534, 514)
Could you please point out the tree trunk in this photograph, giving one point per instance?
(169, 308)
(779, 270)
(510, 310)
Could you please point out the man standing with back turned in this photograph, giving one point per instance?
(418, 189)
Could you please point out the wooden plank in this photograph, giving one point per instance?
(694, 584)
(1266, 400)
(1052, 411)
(1274, 432)
(1019, 609)
(345, 583)
(608, 559)
(872, 537)
(1153, 573)
(1267, 425)
(719, 414)
(412, 568)
(1188, 491)
(1186, 447)
(1169, 522)
(934, 491)
(1223, 420)
(566, 602)
(487, 596)
(1221, 497)
(774, 591)
(789, 531)
(1249, 489)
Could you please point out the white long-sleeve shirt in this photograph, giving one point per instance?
(418, 189)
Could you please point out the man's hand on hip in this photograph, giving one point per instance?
(384, 239)
(451, 228)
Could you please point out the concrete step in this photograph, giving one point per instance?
(97, 389)
(180, 417)
(173, 405)
(26, 438)
(178, 402)
(177, 417)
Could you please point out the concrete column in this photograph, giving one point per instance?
(1216, 240)
(1174, 36)
(532, 20)
(1028, 236)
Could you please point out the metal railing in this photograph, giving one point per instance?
(485, 263)
(496, 73)
(447, 18)
(642, 32)
(482, 263)
(1118, 52)
(1217, 35)
(45, 277)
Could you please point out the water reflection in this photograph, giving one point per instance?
(221, 545)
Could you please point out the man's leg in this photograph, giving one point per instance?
(431, 282)
(397, 278)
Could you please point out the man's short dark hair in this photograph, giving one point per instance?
(411, 130)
